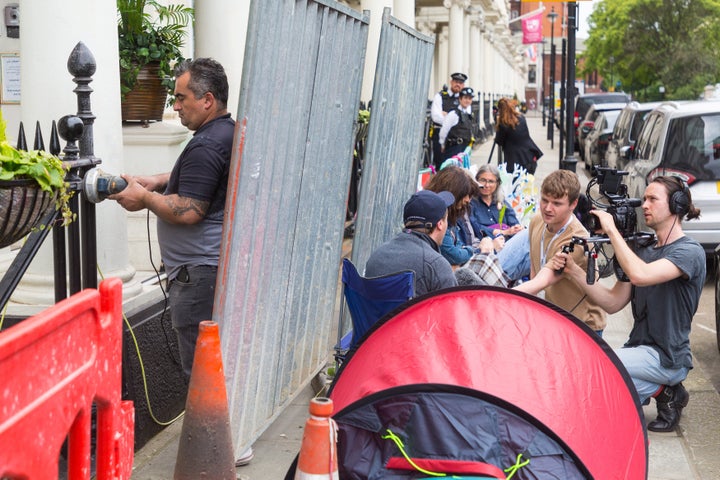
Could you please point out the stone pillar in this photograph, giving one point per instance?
(456, 48)
(474, 55)
(229, 17)
(489, 62)
(443, 55)
(43, 63)
(404, 10)
(428, 28)
(476, 66)
(376, 8)
(467, 48)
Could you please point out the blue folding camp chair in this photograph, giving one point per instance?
(368, 300)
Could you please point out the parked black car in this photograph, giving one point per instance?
(584, 102)
(589, 122)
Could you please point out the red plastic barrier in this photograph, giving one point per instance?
(53, 366)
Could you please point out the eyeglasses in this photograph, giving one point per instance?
(486, 181)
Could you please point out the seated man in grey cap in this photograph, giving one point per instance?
(416, 248)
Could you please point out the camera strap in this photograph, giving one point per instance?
(543, 250)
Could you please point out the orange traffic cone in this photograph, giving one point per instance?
(318, 451)
(206, 449)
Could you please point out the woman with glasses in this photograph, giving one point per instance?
(489, 212)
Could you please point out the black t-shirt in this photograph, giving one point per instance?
(200, 172)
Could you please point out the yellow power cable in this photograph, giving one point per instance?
(142, 369)
(2, 317)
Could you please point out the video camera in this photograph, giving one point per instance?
(622, 208)
(620, 205)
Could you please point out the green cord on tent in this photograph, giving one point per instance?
(401, 447)
(512, 470)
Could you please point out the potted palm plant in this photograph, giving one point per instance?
(150, 38)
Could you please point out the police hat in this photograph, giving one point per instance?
(467, 92)
(460, 77)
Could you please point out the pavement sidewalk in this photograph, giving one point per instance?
(689, 453)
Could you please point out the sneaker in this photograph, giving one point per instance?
(245, 458)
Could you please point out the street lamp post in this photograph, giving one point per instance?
(563, 85)
(570, 162)
(550, 132)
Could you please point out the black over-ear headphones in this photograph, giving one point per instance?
(680, 199)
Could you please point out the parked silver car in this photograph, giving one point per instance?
(625, 133)
(683, 139)
(596, 142)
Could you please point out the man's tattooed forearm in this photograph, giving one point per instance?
(181, 205)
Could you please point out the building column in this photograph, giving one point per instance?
(489, 60)
(467, 47)
(229, 17)
(99, 33)
(476, 65)
(443, 72)
(456, 32)
(404, 10)
(428, 28)
(376, 8)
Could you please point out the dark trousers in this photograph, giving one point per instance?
(452, 150)
(438, 155)
(191, 302)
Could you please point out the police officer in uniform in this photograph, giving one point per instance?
(443, 102)
(456, 131)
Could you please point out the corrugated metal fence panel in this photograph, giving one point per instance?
(285, 215)
(395, 135)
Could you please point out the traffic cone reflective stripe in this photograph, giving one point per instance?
(205, 449)
(318, 451)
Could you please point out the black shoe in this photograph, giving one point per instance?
(682, 396)
(670, 404)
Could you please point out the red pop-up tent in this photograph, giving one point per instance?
(479, 376)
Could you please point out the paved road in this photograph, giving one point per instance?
(689, 453)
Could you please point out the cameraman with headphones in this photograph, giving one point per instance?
(666, 280)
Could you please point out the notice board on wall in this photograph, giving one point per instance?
(9, 78)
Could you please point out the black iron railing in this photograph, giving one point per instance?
(74, 245)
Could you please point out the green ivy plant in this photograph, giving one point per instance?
(155, 34)
(47, 170)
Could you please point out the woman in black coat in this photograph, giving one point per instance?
(514, 138)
